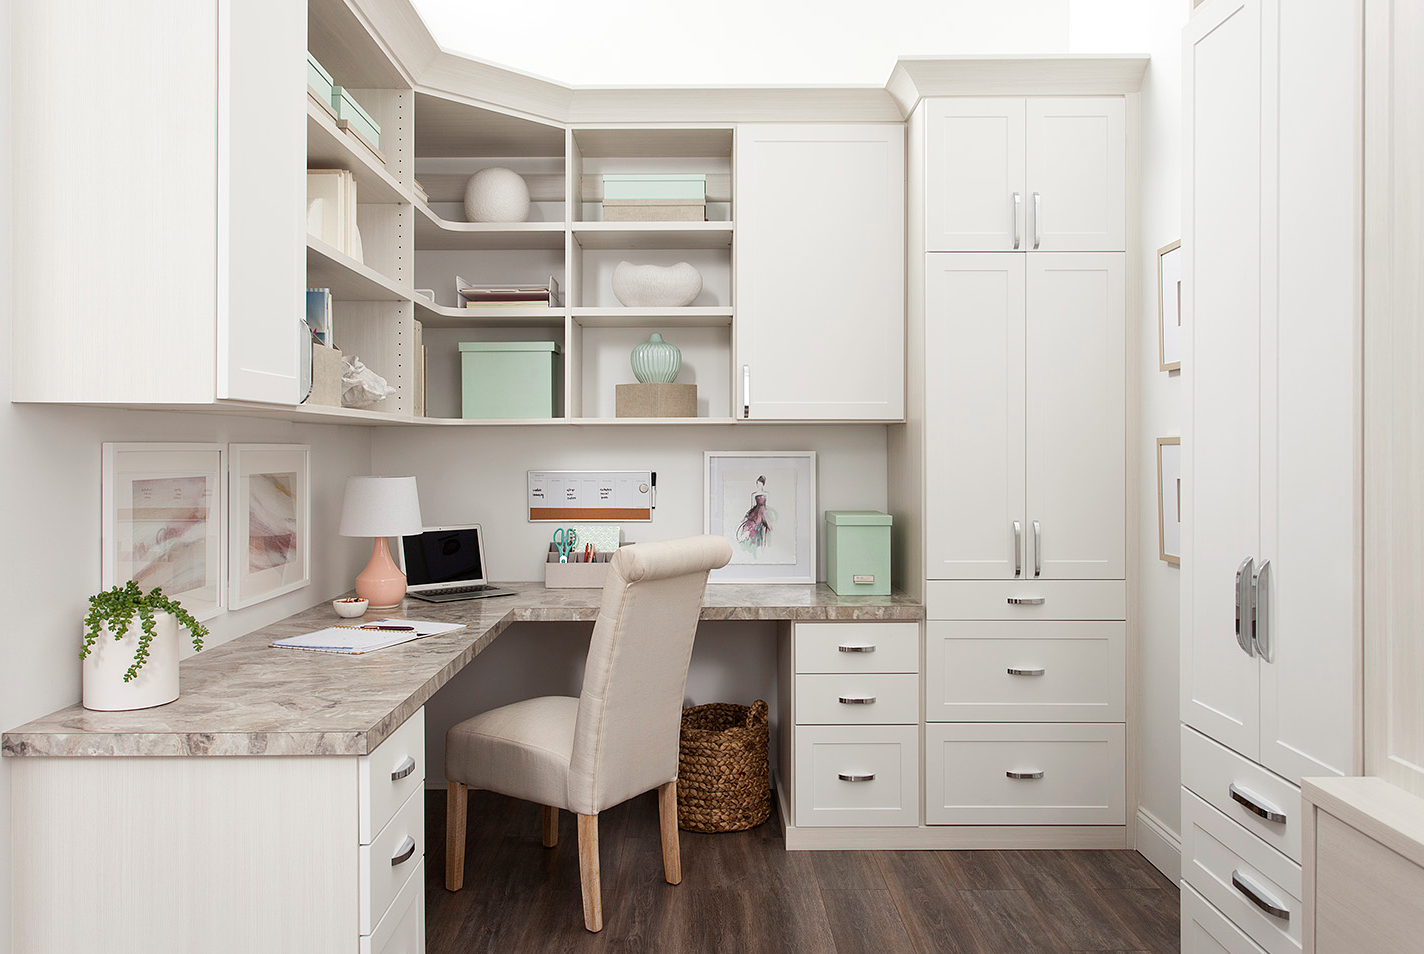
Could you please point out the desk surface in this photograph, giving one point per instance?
(245, 698)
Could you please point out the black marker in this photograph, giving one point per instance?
(655, 491)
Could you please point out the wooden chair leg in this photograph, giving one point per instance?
(588, 872)
(551, 826)
(456, 813)
(667, 818)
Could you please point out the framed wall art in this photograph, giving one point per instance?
(162, 521)
(269, 491)
(1169, 307)
(1169, 500)
(764, 503)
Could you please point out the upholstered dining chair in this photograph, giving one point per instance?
(619, 737)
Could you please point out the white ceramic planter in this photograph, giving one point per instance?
(156, 683)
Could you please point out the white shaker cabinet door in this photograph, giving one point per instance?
(974, 426)
(1077, 176)
(820, 271)
(974, 175)
(1075, 415)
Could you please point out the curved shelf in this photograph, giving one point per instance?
(434, 233)
(492, 316)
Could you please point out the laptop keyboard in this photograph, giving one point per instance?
(459, 589)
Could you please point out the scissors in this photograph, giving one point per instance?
(565, 539)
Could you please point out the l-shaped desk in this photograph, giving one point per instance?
(208, 824)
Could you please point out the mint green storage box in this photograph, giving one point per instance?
(678, 186)
(318, 79)
(858, 552)
(351, 111)
(511, 379)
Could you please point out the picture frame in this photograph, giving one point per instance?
(163, 521)
(1169, 307)
(764, 504)
(1169, 500)
(269, 523)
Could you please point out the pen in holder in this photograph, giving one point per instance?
(578, 573)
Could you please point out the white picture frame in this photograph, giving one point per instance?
(1169, 500)
(163, 522)
(764, 504)
(269, 524)
(1169, 307)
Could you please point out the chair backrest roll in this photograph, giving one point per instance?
(630, 709)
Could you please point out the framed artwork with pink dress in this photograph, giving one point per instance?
(764, 503)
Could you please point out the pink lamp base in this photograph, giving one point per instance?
(382, 582)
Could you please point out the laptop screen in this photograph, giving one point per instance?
(443, 555)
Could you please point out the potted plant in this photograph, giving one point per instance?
(132, 663)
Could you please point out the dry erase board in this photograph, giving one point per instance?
(591, 495)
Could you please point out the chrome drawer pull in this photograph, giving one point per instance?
(1256, 805)
(1026, 600)
(844, 777)
(1025, 672)
(1259, 896)
(857, 649)
(857, 700)
(1038, 774)
(403, 769)
(407, 849)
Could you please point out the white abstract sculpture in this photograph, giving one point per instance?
(656, 286)
(496, 195)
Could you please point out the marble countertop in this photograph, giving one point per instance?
(244, 698)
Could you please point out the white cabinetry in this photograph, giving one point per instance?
(820, 272)
(1007, 174)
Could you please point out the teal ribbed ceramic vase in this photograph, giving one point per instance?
(656, 360)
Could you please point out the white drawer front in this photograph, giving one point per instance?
(854, 775)
(996, 671)
(387, 862)
(1205, 930)
(972, 769)
(1229, 866)
(857, 647)
(388, 775)
(1260, 798)
(402, 930)
(1026, 599)
(858, 699)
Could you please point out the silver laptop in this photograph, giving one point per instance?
(443, 564)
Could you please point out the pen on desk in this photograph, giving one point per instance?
(396, 629)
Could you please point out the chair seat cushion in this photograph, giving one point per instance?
(521, 750)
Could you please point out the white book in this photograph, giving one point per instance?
(366, 637)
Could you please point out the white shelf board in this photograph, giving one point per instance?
(605, 421)
(707, 317)
(489, 316)
(348, 279)
(652, 142)
(331, 148)
(653, 234)
(433, 232)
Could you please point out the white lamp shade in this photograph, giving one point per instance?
(380, 507)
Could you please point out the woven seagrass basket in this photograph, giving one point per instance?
(723, 782)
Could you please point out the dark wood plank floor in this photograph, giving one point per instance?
(744, 893)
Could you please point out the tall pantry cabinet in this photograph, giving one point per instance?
(1271, 467)
(1021, 306)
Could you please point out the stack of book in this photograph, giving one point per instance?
(331, 210)
(675, 197)
(504, 296)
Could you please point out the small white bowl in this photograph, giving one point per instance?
(350, 608)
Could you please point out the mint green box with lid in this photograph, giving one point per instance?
(511, 379)
(858, 552)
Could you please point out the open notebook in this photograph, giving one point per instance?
(353, 640)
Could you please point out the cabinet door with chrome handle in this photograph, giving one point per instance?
(1244, 594)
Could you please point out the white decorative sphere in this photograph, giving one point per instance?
(496, 195)
(656, 286)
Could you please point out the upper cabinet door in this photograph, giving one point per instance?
(974, 171)
(820, 272)
(974, 424)
(1076, 175)
(1075, 414)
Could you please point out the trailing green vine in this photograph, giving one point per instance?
(116, 608)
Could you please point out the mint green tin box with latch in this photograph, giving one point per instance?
(858, 552)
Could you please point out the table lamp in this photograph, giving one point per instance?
(380, 507)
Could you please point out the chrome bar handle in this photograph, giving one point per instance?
(1243, 605)
(852, 777)
(1026, 600)
(856, 649)
(1018, 527)
(746, 391)
(402, 855)
(1037, 550)
(1256, 805)
(1261, 610)
(1014, 213)
(857, 700)
(1026, 672)
(1038, 774)
(403, 769)
(1037, 212)
(1259, 896)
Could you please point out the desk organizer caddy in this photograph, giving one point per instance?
(575, 575)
